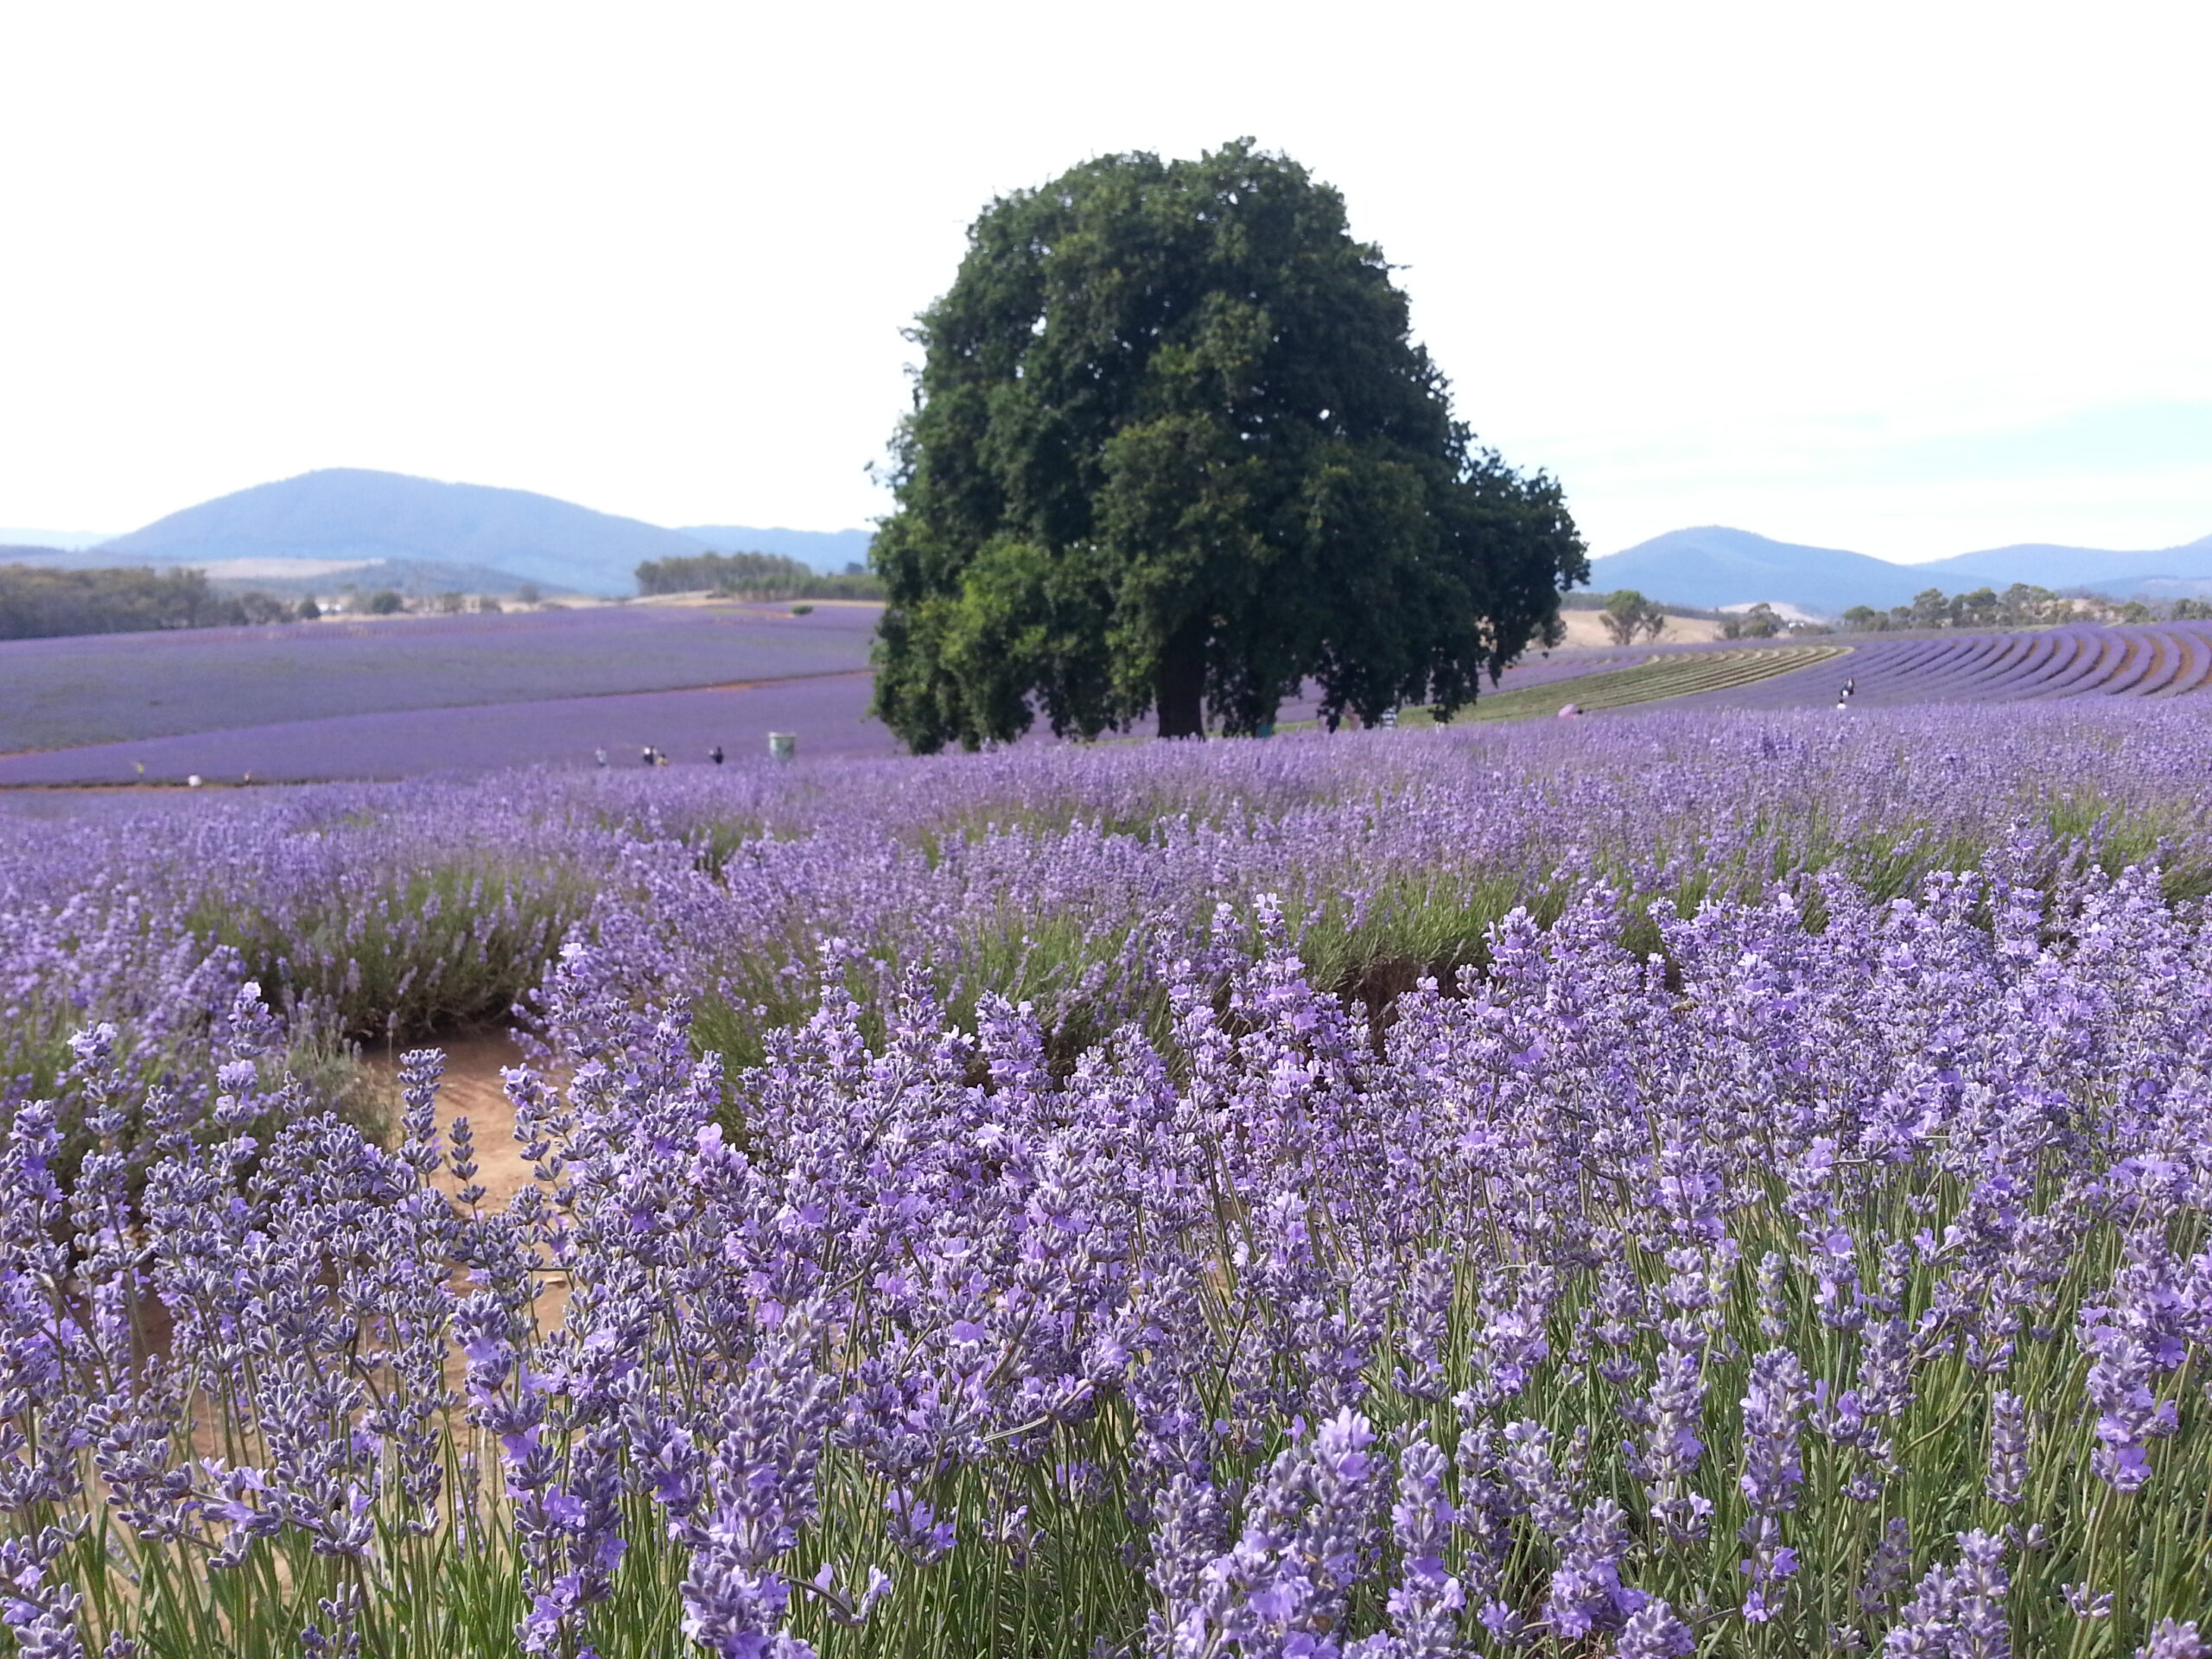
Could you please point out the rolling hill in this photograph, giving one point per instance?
(2048, 565)
(1714, 566)
(18, 540)
(420, 534)
(344, 514)
(415, 529)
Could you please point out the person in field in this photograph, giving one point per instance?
(714, 754)
(647, 756)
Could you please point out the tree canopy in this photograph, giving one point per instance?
(1628, 614)
(1172, 447)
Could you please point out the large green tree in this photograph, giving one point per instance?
(1173, 448)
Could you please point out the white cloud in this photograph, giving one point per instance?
(656, 258)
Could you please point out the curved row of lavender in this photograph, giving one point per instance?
(2152, 660)
(1781, 1230)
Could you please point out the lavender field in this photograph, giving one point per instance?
(58, 694)
(1713, 1182)
(387, 700)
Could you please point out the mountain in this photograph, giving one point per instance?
(416, 578)
(344, 514)
(1714, 566)
(827, 550)
(2049, 566)
(49, 541)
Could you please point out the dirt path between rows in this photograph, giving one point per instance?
(473, 1087)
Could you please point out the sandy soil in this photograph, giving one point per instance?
(472, 1088)
(1586, 628)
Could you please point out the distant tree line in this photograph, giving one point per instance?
(2023, 605)
(1763, 621)
(36, 603)
(753, 575)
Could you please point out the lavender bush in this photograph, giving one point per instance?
(1752, 1201)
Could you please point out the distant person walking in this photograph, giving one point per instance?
(647, 755)
(600, 755)
(714, 754)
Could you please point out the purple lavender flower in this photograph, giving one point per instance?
(2008, 1449)
(2129, 1413)
(1426, 1603)
(1653, 1631)
(2172, 1640)
(917, 1528)
(1774, 1413)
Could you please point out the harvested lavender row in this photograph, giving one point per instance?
(1787, 1240)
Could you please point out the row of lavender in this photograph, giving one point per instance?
(1836, 1278)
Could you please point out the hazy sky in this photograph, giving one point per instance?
(1912, 279)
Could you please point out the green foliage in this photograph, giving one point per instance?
(384, 602)
(40, 604)
(1173, 448)
(752, 575)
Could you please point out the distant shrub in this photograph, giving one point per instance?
(309, 609)
(384, 602)
(259, 608)
(802, 610)
(453, 604)
(488, 604)
(529, 593)
(1760, 622)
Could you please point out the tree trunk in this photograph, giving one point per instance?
(1181, 689)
